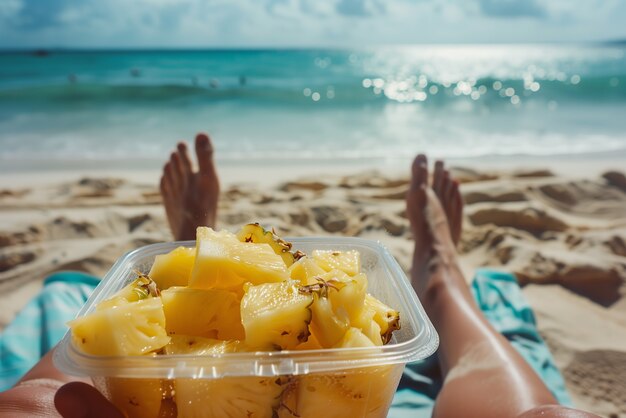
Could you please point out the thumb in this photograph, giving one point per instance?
(79, 400)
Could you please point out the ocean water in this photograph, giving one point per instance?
(385, 103)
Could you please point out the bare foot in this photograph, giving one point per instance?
(190, 197)
(433, 220)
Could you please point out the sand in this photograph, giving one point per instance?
(564, 236)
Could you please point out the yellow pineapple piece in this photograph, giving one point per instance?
(305, 270)
(173, 268)
(346, 261)
(136, 398)
(365, 392)
(186, 344)
(326, 326)
(368, 326)
(212, 313)
(229, 397)
(131, 329)
(347, 296)
(223, 261)
(354, 338)
(140, 288)
(388, 319)
(256, 234)
(310, 344)
(276, 315)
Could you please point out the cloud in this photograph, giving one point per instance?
(302, 23)
(360, 8)
(512, 8)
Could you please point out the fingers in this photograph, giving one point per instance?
(79, 400)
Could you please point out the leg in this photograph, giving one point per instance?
(190, 197)
(484, 375)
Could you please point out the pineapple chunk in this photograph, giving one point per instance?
(173, 268)
(137, 398)
(186, 344)
(368, 326)
(347, 296)
(256, 234)
(131, 329)
(212, 313)
(223, 261)
(326, 326)
(388, 319)
(139, 289)
(346, 261)
(310, 344)
(227, 397)
(354, 338)
(276, 315)
(305, 270)
(365, 392)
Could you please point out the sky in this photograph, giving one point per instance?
(303, 23)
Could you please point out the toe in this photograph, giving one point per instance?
(179, 170)
(183, 154)
(168, 178)
(204, 151)
(175, 171)
(438, 177)
(419, 171)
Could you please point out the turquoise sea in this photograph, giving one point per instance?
(381, 104)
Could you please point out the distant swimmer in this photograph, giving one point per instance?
(72, 78)
(242, 80)
(214, 83)
(135, 72)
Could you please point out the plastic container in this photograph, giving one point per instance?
(346, 382)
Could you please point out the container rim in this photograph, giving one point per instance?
(74, 362)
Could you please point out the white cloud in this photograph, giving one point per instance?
(229, 23)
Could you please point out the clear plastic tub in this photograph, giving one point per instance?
(346, 382)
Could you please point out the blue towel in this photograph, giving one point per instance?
(502, 302)
(42, 323)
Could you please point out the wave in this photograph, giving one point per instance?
(327, 91)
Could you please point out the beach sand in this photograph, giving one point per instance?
(564, 236)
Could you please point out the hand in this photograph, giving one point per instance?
(44, 392)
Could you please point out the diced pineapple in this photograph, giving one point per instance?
(354, 338)
(346, 261)
(212, 313)
(348, 296)
(173, 268)
(186, 344)
(387, 318)
(326, 326)
(365, 392)
(305, 270)
(256, 234)
(229, 397)
(310, 344)
(223, 261)
(370, 328)
(130, 329)
(276, 315)
(139, 289)
(136, 398)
